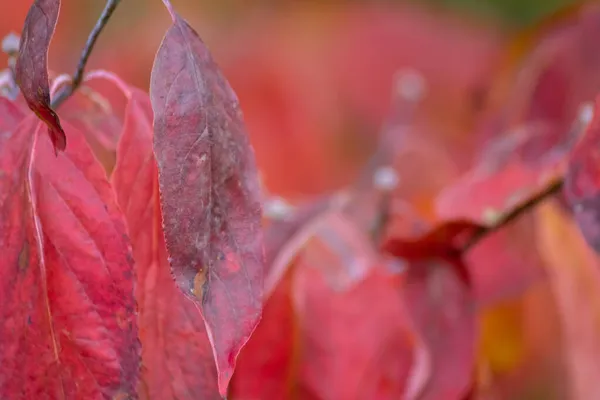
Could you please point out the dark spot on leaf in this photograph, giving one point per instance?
(24, 257)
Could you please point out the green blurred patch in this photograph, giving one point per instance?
(514, 13)
(510, 13)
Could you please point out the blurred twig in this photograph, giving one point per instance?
(68, 90)
(378, 173)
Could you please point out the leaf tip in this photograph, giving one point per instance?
(224, 379)
(55, 129)
(170, 8)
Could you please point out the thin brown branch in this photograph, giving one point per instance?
(68, 90)
(521, 209)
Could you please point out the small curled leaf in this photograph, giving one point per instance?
(31, 69)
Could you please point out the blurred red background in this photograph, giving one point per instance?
(316, 81)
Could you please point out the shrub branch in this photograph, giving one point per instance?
(67, 90)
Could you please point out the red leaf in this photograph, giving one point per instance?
(210, 195)
(500, 266)
(582, 181)
(554, 71)
(336, 226)
(10, 116)
(320, 231)
(266, 368)
(443, 309)
(68, 325)
(506, 176)
(439, 295)
(32, 66)
(357, 343)
(94, 115)
(284, 239)
(176, 355)
(343, 252)
(448, 237)
(505, 264)
(444, 241)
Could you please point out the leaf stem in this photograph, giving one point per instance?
(553, 188)
(68, 90)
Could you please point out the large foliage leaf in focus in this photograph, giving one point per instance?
(69, 327)
(209, 192)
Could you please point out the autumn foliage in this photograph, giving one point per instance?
(143, 257)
